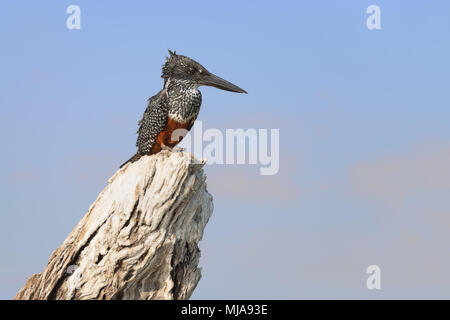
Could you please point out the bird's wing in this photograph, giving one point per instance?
(152, 123)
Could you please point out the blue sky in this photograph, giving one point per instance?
(364, 136)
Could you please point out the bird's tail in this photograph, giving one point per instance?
(132, 159)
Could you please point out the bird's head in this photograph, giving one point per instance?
(184, 68)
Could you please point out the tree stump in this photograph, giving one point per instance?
(139, 239)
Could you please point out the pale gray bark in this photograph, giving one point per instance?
(139, 238)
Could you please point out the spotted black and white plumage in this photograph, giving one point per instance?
(184, 100)
(153, 122)
(176, 106)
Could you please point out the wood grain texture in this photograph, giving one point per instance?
(139, 239)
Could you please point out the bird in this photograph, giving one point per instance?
(171, 113)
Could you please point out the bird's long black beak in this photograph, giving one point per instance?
(215, 81)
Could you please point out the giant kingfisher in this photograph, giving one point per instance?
(176, 106)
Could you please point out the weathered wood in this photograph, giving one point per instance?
(139, 238)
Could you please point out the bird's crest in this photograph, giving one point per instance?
(177, 64)
(172, 54)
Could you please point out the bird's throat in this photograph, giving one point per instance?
(184, 100)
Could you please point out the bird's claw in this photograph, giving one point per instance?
(174, 149)
(178, 149)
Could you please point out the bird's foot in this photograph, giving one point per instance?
(173, 149)
(178, 149)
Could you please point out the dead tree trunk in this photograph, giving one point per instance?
(139, 238)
